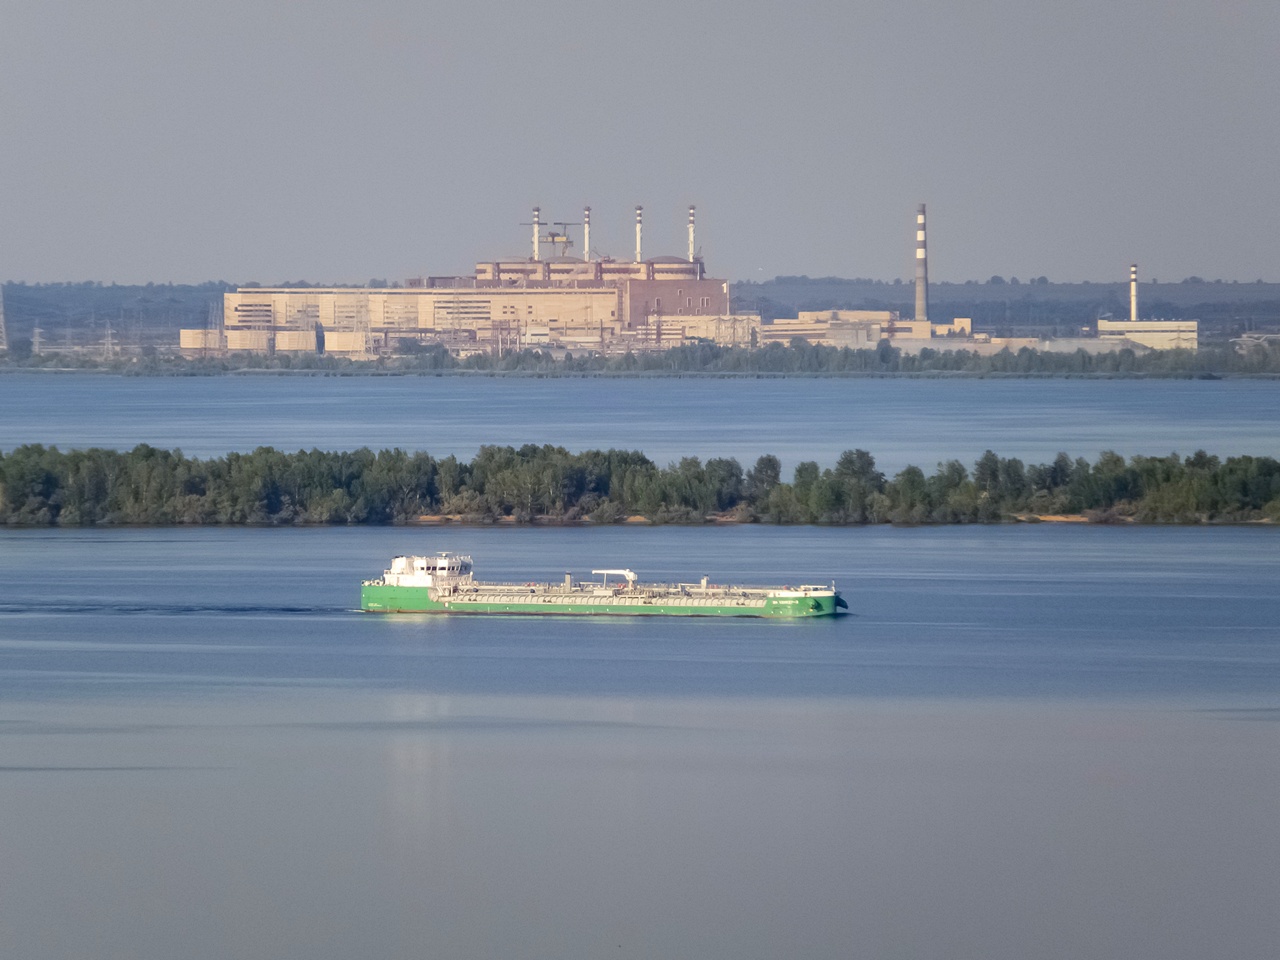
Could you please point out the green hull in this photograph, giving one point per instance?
(381, 598)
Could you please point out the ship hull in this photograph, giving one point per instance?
(383, 598)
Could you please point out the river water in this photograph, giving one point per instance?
(1024, 741)
(901, 421)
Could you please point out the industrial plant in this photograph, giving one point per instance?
(1154, 334)
(552, 301)
(560, 303)
(863, 329)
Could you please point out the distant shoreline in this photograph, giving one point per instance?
(13, 370)
(1071, 519)
(799, 360)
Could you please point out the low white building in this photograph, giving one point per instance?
(1156, 334)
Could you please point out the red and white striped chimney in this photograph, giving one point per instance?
(922, 268)
(1133, 293)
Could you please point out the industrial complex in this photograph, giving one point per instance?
(1155, 334)
(863, 329)
(556, 302)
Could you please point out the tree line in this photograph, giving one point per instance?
(45, 486)
(799, 358)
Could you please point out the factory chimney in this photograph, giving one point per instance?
(1133, 293)
(586, 233)
(922, 268)
(691, 248)
(537, 230)
(639, 217)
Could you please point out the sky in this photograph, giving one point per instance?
(263, 140)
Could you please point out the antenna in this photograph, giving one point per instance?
(561, 238)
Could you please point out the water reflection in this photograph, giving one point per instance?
(417, 769)
(572, 826)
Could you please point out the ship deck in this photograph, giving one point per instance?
(587, 594)
(629, 599)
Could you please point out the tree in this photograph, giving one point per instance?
(859, 465)
(986, 472)
(762, 478)
(806, 475)
(725, 481)
(909, 494)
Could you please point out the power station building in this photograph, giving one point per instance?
(600, 305)
(557, 302)
(865, 329)
(1155, 334)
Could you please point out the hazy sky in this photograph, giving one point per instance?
(268, 140)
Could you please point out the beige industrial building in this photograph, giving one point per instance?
(864, 329)
(559, 303)
(1153, 334)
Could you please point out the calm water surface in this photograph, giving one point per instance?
(1025, 742)
(900, 421)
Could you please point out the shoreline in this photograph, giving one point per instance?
(709, 522)
(126, 373)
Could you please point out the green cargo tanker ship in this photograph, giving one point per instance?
(444, 584)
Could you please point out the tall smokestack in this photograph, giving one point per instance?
(537, 230)
(586, 233)
(1133, 293)
(639, 218)
(922, 268)
(691, 248)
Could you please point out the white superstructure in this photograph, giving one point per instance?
(427, 571)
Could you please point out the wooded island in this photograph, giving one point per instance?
(42, 486)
